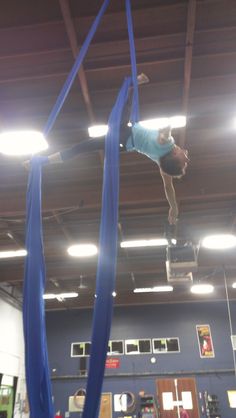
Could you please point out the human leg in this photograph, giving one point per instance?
(86, 146)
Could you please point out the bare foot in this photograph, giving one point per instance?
(142, 79)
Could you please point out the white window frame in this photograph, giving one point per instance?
(138, 352)
(155, 351)
(112, 353)
(79, 355)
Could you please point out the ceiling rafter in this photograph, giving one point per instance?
(69, 24)
(75, 49)
(62, 227)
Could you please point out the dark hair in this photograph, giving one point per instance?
(171, 165)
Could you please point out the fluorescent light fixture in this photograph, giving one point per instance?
(82, 250)
(12, 254)
(234, 285)
(154, 289)
(48, 296)
(22, 142)
(60, 296)
(219, 242)
(157, 242)
(179, 121)
(97, 130)
(160, 123)
(202, 289)
(68, 295)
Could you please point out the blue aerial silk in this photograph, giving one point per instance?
(105, 282)
(74, 71)
(134, 117)
(36, 357)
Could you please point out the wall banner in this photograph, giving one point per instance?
(205, 341)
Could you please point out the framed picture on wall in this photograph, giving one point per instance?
(165, 345)
(205, 342)
(138, 346)
(80, 349)
(115, 347)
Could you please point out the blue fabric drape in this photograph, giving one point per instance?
(70, 79)
(36, 358)
(105, 282)
(134, 117)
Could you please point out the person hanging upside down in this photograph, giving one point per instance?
(158, 145)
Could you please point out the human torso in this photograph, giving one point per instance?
(146, 142)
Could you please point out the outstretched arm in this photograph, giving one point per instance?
(171, 197)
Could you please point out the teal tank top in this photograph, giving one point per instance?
(145, 141)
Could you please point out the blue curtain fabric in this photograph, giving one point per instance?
(105, 282)
(134, 117)
(36, 358)
(74, 71)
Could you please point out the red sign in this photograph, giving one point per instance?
(112, 363)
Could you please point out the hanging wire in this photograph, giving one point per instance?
(230, 318)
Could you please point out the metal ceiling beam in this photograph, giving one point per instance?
(71, 33)
(137, 300)
(142, 43)
(62, 226)
(67, 270)
(197, 186)
(188, 61)
(8, 231)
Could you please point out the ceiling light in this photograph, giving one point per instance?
(22, 142)
(114, 294)
(219, 242)
(234, 285)
(202, 289)
(48, 296)
(160, 123)
(157, 123)
(12, 254)
(60, 296)
(82, 250)
(177, 122)
(97, 131)
(154, 289)
(144, 243)
(68, 295)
